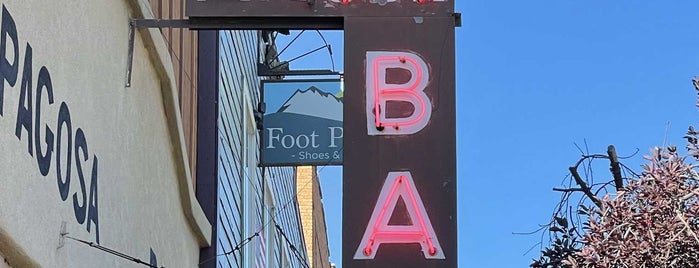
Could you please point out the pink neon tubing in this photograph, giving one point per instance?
(410, 90)
(367, 249)
(433, 250)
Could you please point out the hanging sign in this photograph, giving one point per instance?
(399, 168)
(302, 124)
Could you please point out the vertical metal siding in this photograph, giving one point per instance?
(238, 50)
(237, 63)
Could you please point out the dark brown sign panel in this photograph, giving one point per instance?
(399, 175)
(317, 8)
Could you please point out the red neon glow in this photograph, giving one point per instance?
(344, 2)
(399, 184)
(410, 90)
(377, 112)
(383, 212)
(422, 223)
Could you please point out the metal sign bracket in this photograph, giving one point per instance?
(241, 23)
(247, 23)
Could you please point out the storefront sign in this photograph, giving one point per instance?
(302, 124)
(399, 124)
(399, 169)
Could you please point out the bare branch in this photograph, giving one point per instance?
(585, 189)
(686, 224)
(586, 157)
(695, 82)
(568, 189)
(615, 168)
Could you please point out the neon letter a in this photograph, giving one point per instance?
(399, 184)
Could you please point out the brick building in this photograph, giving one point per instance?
(313, 216)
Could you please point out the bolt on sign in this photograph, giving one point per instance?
(399, 121)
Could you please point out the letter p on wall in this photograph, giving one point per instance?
(384, 70)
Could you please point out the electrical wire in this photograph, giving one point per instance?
(291, 201)
(113, 252)
(292, 247)
(234, 249)
(247, 240)
(240, 245)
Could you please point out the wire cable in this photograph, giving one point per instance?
(330, 50)
(237, 247)
(247, 240)
(292, 247)
(260, 197)
(240, 245)
(113, 252)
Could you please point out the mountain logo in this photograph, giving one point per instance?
(313, 102)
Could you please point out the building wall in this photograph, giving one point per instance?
(305, 176)
(310, 200)
(182, 47)
(3, 263)
(244, 201)
(249, 204)
(321, 258)
(130, 185)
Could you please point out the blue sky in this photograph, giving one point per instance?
(534, 78)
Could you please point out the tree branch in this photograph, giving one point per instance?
(615, 168)
(566, 190)
(584, 188)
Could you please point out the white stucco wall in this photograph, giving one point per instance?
(3, 264)
(144, 198)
